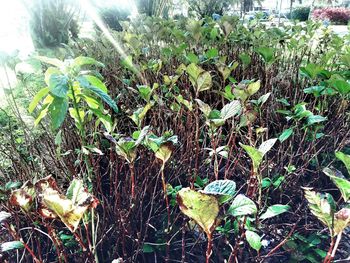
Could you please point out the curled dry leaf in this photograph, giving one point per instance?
(23, 197)
(70, 208)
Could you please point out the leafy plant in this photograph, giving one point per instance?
(324, 208)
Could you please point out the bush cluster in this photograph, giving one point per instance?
(335, 15)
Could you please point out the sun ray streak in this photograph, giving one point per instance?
(89, 9)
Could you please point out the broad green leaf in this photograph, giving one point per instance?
(221, 187)
(58, 111)
(242, 206)
(267, 145)
(37, 98)
(342, 184)
(11, 245)
(145, 92)
(255, 155)
(96, 82)
(345, 159)
(231, 109)
(82, 61)
(12, 185)
(341, 85)
(285, 134)
(225, 189)
(202, 208)
(311, 70)
(253, 239)
(192, 58)
(204, 81)
(104, 96)
(58, 85)
(312, 119)
(274, 210)
(91, 102)
(212, 53)
(49, 72)
(267, 53)
(245, 58)
(253, 88)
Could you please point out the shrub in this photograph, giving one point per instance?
(52, 22)
(112, 16)
(301, 13)
(336, 15)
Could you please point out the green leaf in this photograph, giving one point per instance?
(285, 134)
(7, 246)
(221, 187)
(345, 159)
(245, 58)
(147, 248)
(342, 184)
(231, 109)
(104, 96)
(255, 155)
(267, 53)
(58, 85)
(37, 98)
(253, 239)
(96, 82)
(274, 210)
(319, 207)
(82, 61)
(264, 98)
(242, 206)
(145, 92)
(204, 81)
(58, 111)
(267, 145)
(341, 85)
(311, 70)
(212, 53)
(202, 208)
(192, 58)
(315, 119)
(253, 87)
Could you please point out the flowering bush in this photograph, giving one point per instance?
(336, 15)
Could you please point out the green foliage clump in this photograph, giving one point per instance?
(300, 13)
(52, 22)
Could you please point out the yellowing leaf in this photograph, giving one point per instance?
(202, 208)
(341, 220)
(164, 152)
(71, 208)
(204, 81)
